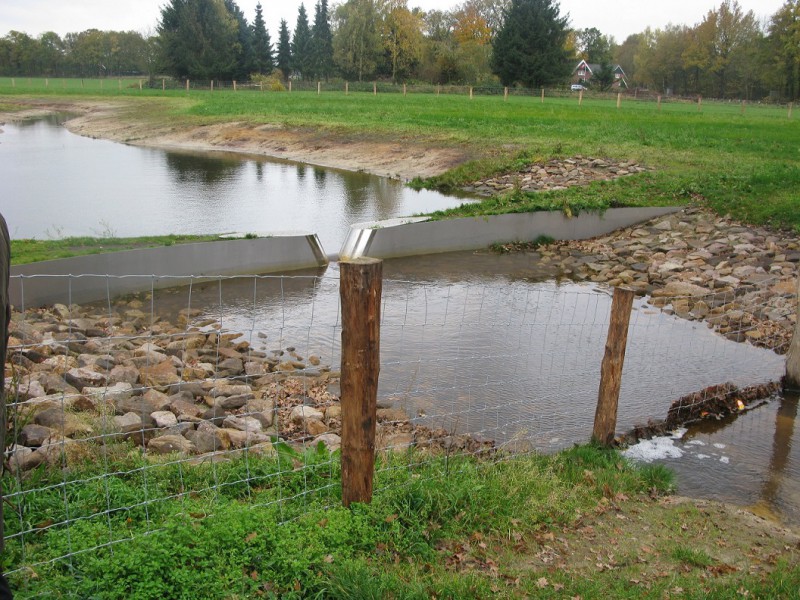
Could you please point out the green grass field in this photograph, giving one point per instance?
(743, 163)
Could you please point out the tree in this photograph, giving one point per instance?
(357, 41)
(262, 45)
(529, 48)
(784, 48)
(243, 48)
(402, 39)
(284, 58)
(302, 58)
(199, 39)
(594, 47)
(322, 41)
(625, 52)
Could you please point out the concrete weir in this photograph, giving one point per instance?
(98, 276)
(418, 235)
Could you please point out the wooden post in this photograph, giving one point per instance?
(470, 92)
(346, 88)
(580, 98)
(163, 84)
(404, 89)
(234, 85)
(619, 100)
(605, 417)
(374, 88)
(542, 95)
(140, 85)
(792, 381)
(438, 89)
(360, 293)
(699, 103)
(319, 88)
(290, 86)
(13, 83)
(212, 85)
(505, 94)
(46, 82)
(81, 83)
(659, 104)
(260, 86)
(187, 86)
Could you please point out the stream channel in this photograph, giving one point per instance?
(470, 341)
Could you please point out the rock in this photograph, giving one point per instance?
(394, 415)
(224, 389)
(139, 405)
(315, 427)
(332, 441)
(34, 435)
(164, 418)
(208, 438)
(124, 374)
(112, 394)
(85, 377)
(245, 439)
(333, 412)
(680, 288)
(396, 442)
(64, 424)
(169, 444)
(185, 410)
(300, 414)
(232, 402)
(128, 423)
(242, 423)
(160, 376)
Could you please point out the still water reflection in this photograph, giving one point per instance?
(57, 184)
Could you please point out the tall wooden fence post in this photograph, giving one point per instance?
(792, 381)
(542, 95)
(374, 88)
(470, 93)
(580, 98)
(360, 293)
(699, 103)
(619, 100)
(319, 88)
(346, 88)
(234, 86)
(605, 417)
(163, 84)
(505, 94)
(187, 86)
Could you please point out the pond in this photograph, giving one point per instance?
(57, 184)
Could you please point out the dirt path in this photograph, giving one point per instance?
(118, 122)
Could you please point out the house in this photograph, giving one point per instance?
(584, 72)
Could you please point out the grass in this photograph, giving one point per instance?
(453, 527)
(747, 164)
(26, 251)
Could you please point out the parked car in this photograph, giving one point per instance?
(577, 87)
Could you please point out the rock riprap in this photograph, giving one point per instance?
(740, 280)
(556, 174)
(78, 377)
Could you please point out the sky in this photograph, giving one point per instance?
(619, 18)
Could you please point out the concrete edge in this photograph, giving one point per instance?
(388, 239)
(96, 276)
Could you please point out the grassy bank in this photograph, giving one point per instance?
(743, 163)
(445, 528)
(26, 251)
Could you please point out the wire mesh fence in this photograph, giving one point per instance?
(128, 411)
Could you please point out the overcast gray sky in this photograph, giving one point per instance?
(619, 18)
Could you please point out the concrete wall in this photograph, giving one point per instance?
(410, 237)
(87, 278)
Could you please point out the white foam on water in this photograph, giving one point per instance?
(725, 460)
(720, 446)
(654, 449)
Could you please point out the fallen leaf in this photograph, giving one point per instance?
(542, 583)
(251, 537)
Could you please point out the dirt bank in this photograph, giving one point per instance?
(126, 123)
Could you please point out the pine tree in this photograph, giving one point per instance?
(284, 58)
(302, 57)
(262, 45)
(322, 41)
(529, 48)
(243, 50)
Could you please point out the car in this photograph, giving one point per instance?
(577, 87)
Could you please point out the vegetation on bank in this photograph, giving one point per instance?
(448, 527)
(26, 251)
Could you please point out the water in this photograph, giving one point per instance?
(57, 184)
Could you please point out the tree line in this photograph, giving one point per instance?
(478, 42)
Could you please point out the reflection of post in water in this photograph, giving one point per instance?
(206, 168)
(319, 179)
(781, 447)
(259, 171)
(362, 190)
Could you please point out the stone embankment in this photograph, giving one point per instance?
(740, 280)
(78, 378)
(556, 174)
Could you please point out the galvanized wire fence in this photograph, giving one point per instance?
(127, 410)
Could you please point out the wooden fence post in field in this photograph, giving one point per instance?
(46, 82)
(659, 104)
(542, 95)
(360, 294)
(404, 89)
(470, 92)
(319, 88)
(13, 83)
(81, 83)
(792, 381)
(234, 85)
(505, 94)
(290, 86)
(580, 98)
(438, 90)
(140, 85)
(743, 105)
(187, 86)
(212, 85)
(605, 417)
(374, 88)
(699, 103)
(163, 84)
(619, 100)
(346, 88)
